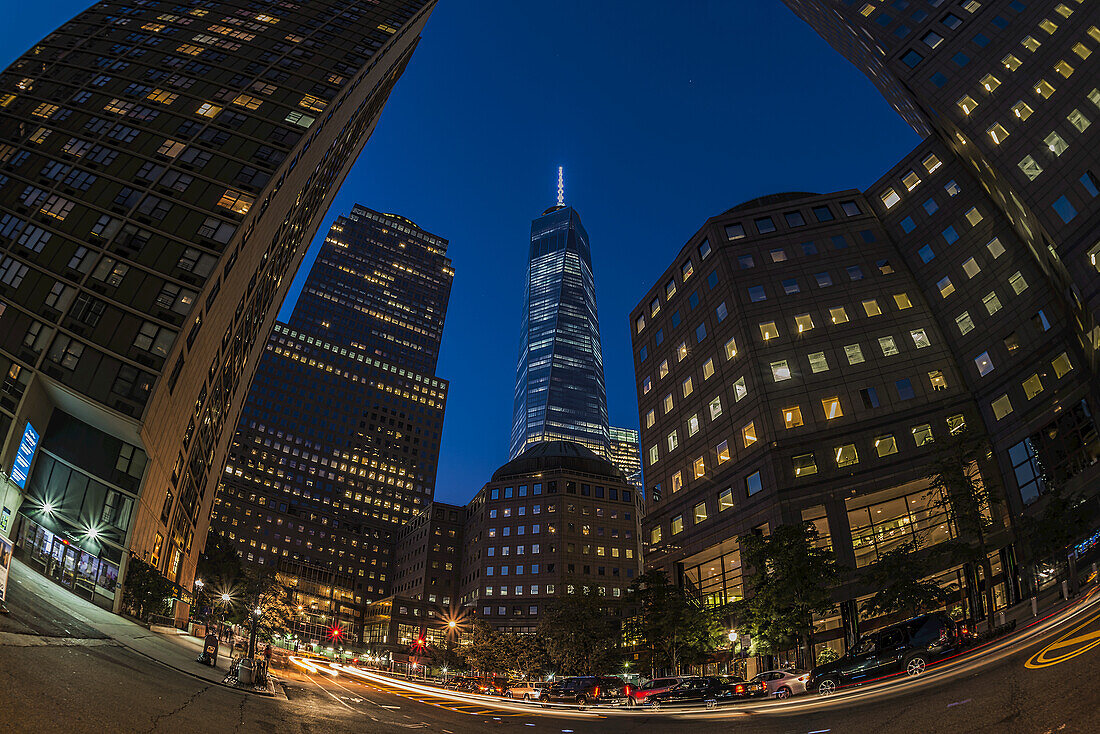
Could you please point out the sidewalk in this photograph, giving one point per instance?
(29, 591)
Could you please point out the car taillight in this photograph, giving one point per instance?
(740, 689)
(597, 691)
(626, 689)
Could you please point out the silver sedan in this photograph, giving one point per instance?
(783, 683)
(526, 690)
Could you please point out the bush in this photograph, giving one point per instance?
(827, 655)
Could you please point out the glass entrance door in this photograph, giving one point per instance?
(68, 567)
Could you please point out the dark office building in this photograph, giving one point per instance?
(560, 392)
(163, 167)
(551, 521)
(337, 448)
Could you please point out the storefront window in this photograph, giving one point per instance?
(883, 526)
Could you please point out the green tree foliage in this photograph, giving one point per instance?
(899, 580)
(827, 655)
(262, 590)
(580, 636)
(790, 582)
(669, 627)
(220, 570)
(482, 648)
(956, 487)
(1063, 519)
(145, 592)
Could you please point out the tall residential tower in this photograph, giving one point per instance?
(560, 392)
(163, 168)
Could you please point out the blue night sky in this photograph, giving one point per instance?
(663, 114)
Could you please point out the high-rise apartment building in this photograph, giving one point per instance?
(163, 167)
(560, 392)
(338, 443)
(626, 455)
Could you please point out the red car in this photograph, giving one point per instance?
(637, 696)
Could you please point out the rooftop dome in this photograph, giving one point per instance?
(557, 455)
(770, 200)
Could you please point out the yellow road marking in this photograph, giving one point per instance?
(1081, 643)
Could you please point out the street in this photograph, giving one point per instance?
(58, 672)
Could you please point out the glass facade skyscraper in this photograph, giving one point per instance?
(560, 392)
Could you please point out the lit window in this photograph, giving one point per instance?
(818, 363)
(983, 363)
(663, 369)
(650, 419)
(1044, 89)
(937, 380)
(871, 308)
(902, 300)
(1063, 10)
(780, 371)
(1016, 280)
(779, 255)
(964, 322)
(956, 423)
(1082, 50)
(735, 231)
(922, 434)
(686, 270)
(668, 403)
(931, 163)
(838, 315)
(854, 354)
(236, 201)
(1056, 144)
(973, 216)
(792, 417)
(832, 408)
(971, 268)
(1030, 167)
(208, 110)
(1022, 110)
(715, 407)
(846, 455)
(653, 455)
(673, 442)
(997, 132)
(886, 445)
(693, 425)
(725, 499)
(1010, 62)
(1064, 69)
(681, 351)
(723, 451)
(731, 349)
(888, 346)
(890, 198)
(769, 330)
(967, 104)
(1078, 120)
(670, 289)
(952, 188)
(708, 369)
(677, 524)
(911, 180)
(1032, 386)
(1061, 365)
(655, 307)
(946, 287)
(677, 482)
(996, 249)
(992, 302)
(686, 387)
(1030, 43)
(804, 322)
(1002, 406)
(920, 338)
(647, 385)
(639, 324)
(740, 389)
(698, 468)
(804, 465)
(748, 434)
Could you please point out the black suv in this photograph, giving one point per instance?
(910, 646)
(585, 689)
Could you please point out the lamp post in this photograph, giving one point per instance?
(256, 614)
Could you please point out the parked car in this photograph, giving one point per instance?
(586, 689)
(738, 688)
(492, 686)
(693, 689)
(639, 694)
(783, 683)
(526, 690)
(911, 646)
(465, 684)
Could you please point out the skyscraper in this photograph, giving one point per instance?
(560, 392)
(163, 171)
(626, 454)
(337, 445)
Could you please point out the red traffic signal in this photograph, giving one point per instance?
(336, 632)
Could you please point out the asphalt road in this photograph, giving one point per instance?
(56, 676)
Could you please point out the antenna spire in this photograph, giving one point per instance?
(561, 188)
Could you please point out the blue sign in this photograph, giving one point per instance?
(22, 466)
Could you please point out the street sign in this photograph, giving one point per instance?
(23, 457)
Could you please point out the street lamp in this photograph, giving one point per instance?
(226, 598)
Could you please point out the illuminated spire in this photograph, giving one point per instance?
(561, 189)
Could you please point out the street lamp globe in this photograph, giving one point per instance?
(452, 624)
(198, 583)
(733, 636)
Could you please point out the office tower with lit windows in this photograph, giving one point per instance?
(338, 443)
(163, 168)
(626, 454)
(560, 392)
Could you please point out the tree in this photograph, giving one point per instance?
(669, 626)
(1064, 518)
(899, 578)
(482, 648)
(220, 570)
(956, 487)
(580, 636)
(261, 590)
(521, 655)
(145, 592)
(790, 582)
